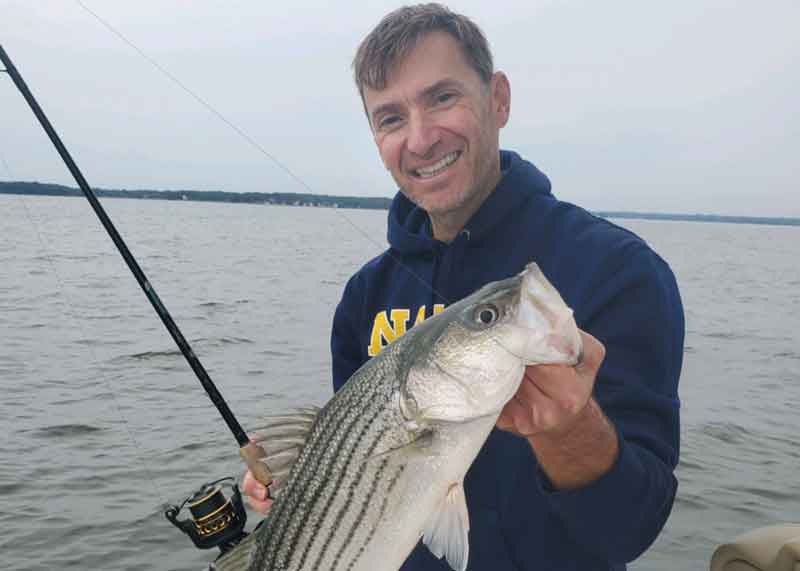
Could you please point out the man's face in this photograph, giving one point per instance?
(437, 126)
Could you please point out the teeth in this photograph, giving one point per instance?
(438, 166)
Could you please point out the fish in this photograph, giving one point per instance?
(361, 480)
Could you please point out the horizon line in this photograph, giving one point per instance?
(356, 202)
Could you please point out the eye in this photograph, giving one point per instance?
(388, 122)
(486, 314)
(444, 97)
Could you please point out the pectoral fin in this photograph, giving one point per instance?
(446, 533)
(419, 441)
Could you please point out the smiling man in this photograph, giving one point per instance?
(579, 473)
(436, 122)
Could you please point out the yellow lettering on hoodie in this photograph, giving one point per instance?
(400, 319)
(384, 332)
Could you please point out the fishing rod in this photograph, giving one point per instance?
(215, 519)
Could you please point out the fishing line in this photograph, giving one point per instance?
(248, 450)
(252, 142)
(5, 166)
(63, 298)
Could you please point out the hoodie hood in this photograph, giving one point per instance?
(409, 229)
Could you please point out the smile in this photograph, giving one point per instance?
(438, 166)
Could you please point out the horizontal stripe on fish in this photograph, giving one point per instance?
(321, 472)
(340, 485)
(328, 444)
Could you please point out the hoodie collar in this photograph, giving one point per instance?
(409, 229)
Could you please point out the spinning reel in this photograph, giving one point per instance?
(216, 521)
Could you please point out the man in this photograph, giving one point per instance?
(580, 474)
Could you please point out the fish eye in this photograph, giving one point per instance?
(486, 314)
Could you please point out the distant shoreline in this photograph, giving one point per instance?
(329, 201)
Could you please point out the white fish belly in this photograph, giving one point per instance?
(425, 481)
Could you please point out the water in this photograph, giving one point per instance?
(106, 423)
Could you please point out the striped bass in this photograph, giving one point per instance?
(382, 464)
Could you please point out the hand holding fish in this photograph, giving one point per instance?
(256, 493)
(554, 410)
(550, 397)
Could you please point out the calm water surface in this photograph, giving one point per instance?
(103, 422)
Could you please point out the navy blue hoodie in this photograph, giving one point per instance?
(621, 292)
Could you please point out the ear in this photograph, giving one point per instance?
(501, 98)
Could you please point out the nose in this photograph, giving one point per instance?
(422, 135)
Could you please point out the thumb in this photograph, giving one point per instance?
(593, 353)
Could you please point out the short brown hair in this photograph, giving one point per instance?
(399, 31)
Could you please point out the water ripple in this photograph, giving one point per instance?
(65, 430)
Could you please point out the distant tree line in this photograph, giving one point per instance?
(287, 198)
(774, 221)
(324, 200)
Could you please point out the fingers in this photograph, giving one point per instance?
(514, 418)
(547, 397)
(259, 506)
(256, 492)
(552, 396)
(546, 381)
(593, 353)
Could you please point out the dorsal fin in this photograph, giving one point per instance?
(282, 437)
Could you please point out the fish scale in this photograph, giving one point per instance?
(311, 486)
(342, 483)
(370, 430)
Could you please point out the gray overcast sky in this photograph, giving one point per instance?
(681, 106)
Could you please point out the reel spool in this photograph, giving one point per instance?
(216, 521)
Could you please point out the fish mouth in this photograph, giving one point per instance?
(438, 167)
(544, 322)
(541, 308)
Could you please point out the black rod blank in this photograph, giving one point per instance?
(166, 318)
